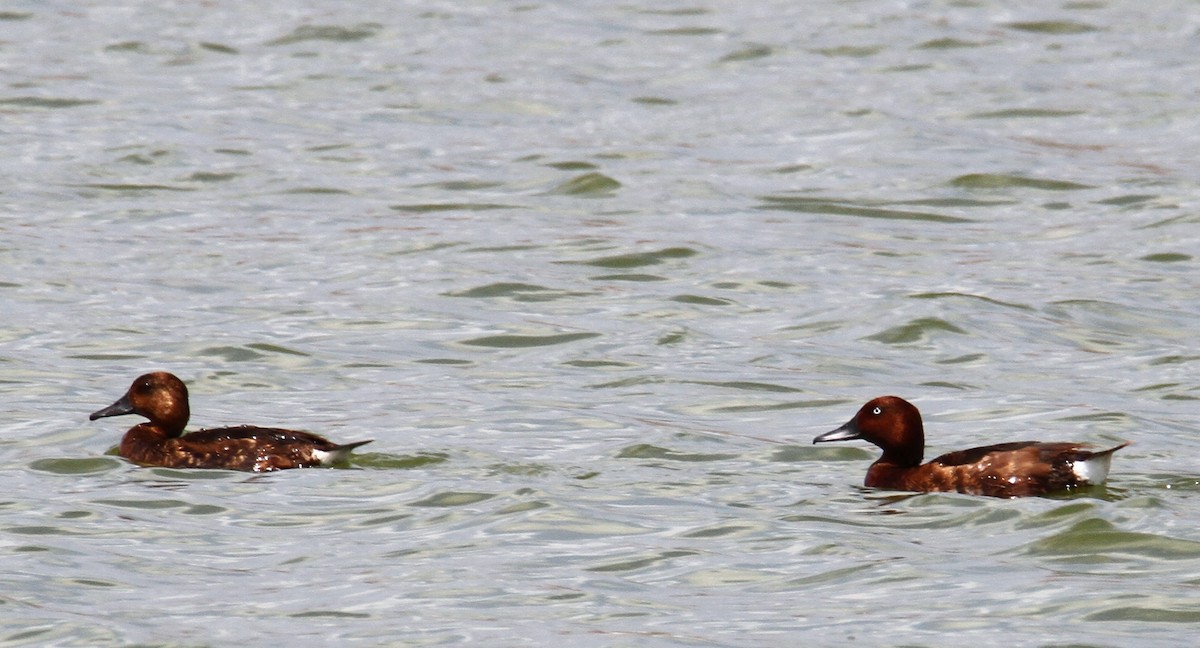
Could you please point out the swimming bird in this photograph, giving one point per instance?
(162, 398)
(1004, 470)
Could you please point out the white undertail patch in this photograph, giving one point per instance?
(1093, 470)
(328, 458)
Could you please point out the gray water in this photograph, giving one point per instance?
(593, 275)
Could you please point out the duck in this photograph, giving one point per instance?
(162, 398)
(1008, 470)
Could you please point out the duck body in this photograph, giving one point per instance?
(244, 447)
(1017, 469)
(163, 399)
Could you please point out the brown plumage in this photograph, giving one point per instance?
(163, 398)
(1004, 470)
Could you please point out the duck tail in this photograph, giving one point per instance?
(340, 453)
(1111, 450)
(1093, 469)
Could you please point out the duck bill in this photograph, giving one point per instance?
(118, 408)
(845, 433)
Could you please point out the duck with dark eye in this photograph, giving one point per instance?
(163, 398)
(1016, 469)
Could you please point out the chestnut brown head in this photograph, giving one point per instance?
(158, 396)
(889, 422)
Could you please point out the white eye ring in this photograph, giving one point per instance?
(877, 411)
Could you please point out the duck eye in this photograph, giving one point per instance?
(877, 411)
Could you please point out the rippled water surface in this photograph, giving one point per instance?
(593, 275)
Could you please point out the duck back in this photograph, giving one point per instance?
(1018, 469)
(245, 447)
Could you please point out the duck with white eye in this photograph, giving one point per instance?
(1017, 469)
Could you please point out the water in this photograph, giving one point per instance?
(593, 276)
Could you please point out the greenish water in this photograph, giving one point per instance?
(593, 276)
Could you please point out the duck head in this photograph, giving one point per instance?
(889, 422)
(158, 396)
